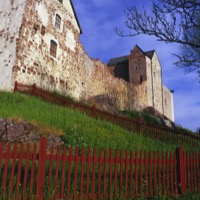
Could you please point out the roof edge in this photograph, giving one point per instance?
(76, 16)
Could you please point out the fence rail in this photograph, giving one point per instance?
(156, 132)
(37, 172)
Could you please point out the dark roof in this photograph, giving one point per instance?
(76, 16)
(150, 53)
(118, 60)
(123, 59)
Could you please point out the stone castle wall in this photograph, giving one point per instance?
(72, 72)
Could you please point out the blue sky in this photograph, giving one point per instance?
(98, 18)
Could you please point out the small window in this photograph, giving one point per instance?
(165, 102)
(58, 22)
(154, 74)
(60, 1)
(141, 79)
(53, 48)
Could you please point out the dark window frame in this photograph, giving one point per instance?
(58, 21)
(53, 48)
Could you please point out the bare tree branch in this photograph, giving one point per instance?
(171, 21)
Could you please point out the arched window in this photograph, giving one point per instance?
(60, 1)
(53, 48)
(58, 21)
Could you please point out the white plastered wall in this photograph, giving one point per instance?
(11, 15)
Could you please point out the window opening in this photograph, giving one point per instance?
(58, 21)
(141, 79)
(53, 48)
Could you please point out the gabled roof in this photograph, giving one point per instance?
(149, 53)
(118, 60)
(76, 16)
(124, 59)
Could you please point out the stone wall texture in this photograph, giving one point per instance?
(26, 58)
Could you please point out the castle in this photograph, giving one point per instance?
(40, 43)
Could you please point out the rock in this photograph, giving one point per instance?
(23, 131)
(14, 130)
(54, 141)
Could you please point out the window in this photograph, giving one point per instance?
(58, 21)
(165, 102)
(53, 48)
(60, 1)
(141, 79)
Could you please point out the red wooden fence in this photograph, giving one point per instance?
(28, 172)
(156, 132)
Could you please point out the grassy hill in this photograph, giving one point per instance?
(76, 128)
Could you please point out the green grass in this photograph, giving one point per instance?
(146, 117)
(76, 128)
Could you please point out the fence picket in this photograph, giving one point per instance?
(99, 173)
(195, 172)
(69, 173)
(104, 174)
(155, 173)
(110, 173)
(175, 174)
(167, 174)
(163, 173)
(136, 174)
(131, 175)
(146, 175)
(159, 175)
(50, 169)
(57, 168)
(32, 170)
(82, 171)
(126, 174)
(140, 172)
(88, 173)
(63, 173)
(19, 170)
(26, 170)
(150, 175)
(5, 173)
(121, 173)
(171, 175)
(116, 174)
(13, 168)
(75, 172)
(93, 173)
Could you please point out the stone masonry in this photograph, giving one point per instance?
(40, 44)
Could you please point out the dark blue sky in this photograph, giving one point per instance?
(98, 18)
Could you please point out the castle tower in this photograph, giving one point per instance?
(145, 68)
